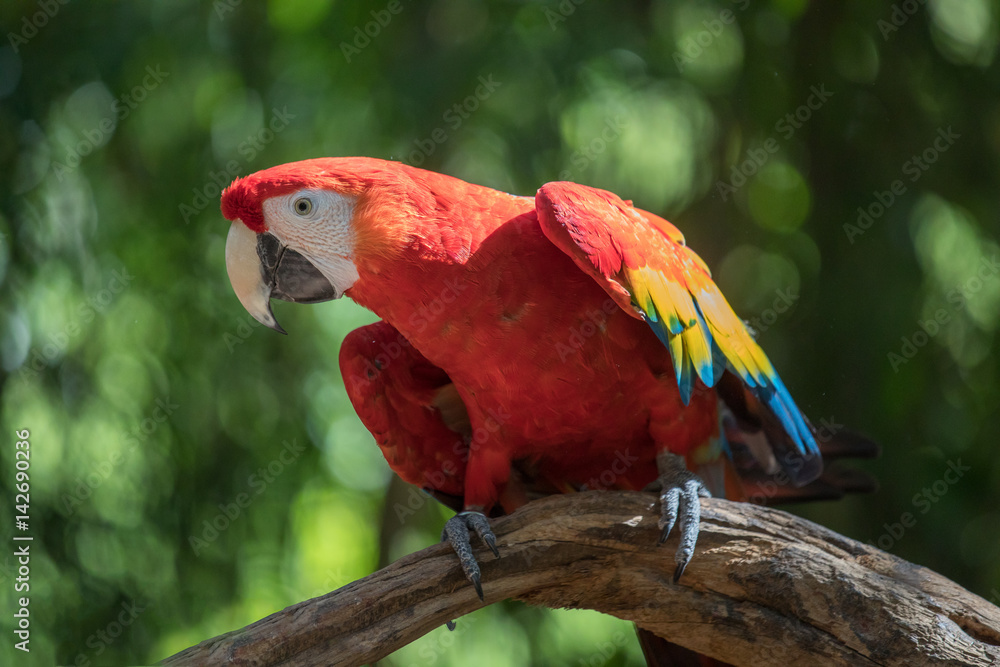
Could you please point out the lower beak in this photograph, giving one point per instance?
(261, 268)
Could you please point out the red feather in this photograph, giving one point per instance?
(523, 307)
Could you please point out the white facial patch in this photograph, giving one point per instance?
(317, 224)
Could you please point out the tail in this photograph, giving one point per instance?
(765, 466)
(754, 485)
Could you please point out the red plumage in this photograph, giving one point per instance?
(548, 372)
(517, 301)
(551, 372)
(527, 346)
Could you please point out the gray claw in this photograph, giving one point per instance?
(680, 491)
(456, 533)
(481, 524)
(670, 499)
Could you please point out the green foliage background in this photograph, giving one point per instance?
(153, 401)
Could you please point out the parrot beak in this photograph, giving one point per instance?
(261, 268)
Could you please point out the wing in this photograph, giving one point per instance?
(642, 262)
(410, 406)
(418, 418)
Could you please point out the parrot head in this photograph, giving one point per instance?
(296, 230)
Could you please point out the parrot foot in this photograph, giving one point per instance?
(680, 490)
(456, 533)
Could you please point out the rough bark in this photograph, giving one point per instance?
(764, 587)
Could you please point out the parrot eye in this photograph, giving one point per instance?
(303, 206)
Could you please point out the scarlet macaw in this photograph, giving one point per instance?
(528, 345)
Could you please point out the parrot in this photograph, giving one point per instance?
(526, 346)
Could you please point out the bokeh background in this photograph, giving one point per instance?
(836, 164)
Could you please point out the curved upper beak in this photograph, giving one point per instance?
(261, 268)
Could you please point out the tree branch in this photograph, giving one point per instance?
(764, 587)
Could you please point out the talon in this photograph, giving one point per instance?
(670, 499)
(491, 542)
(477, 582)
(680, 493)
(456, 533)
(479, 522)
